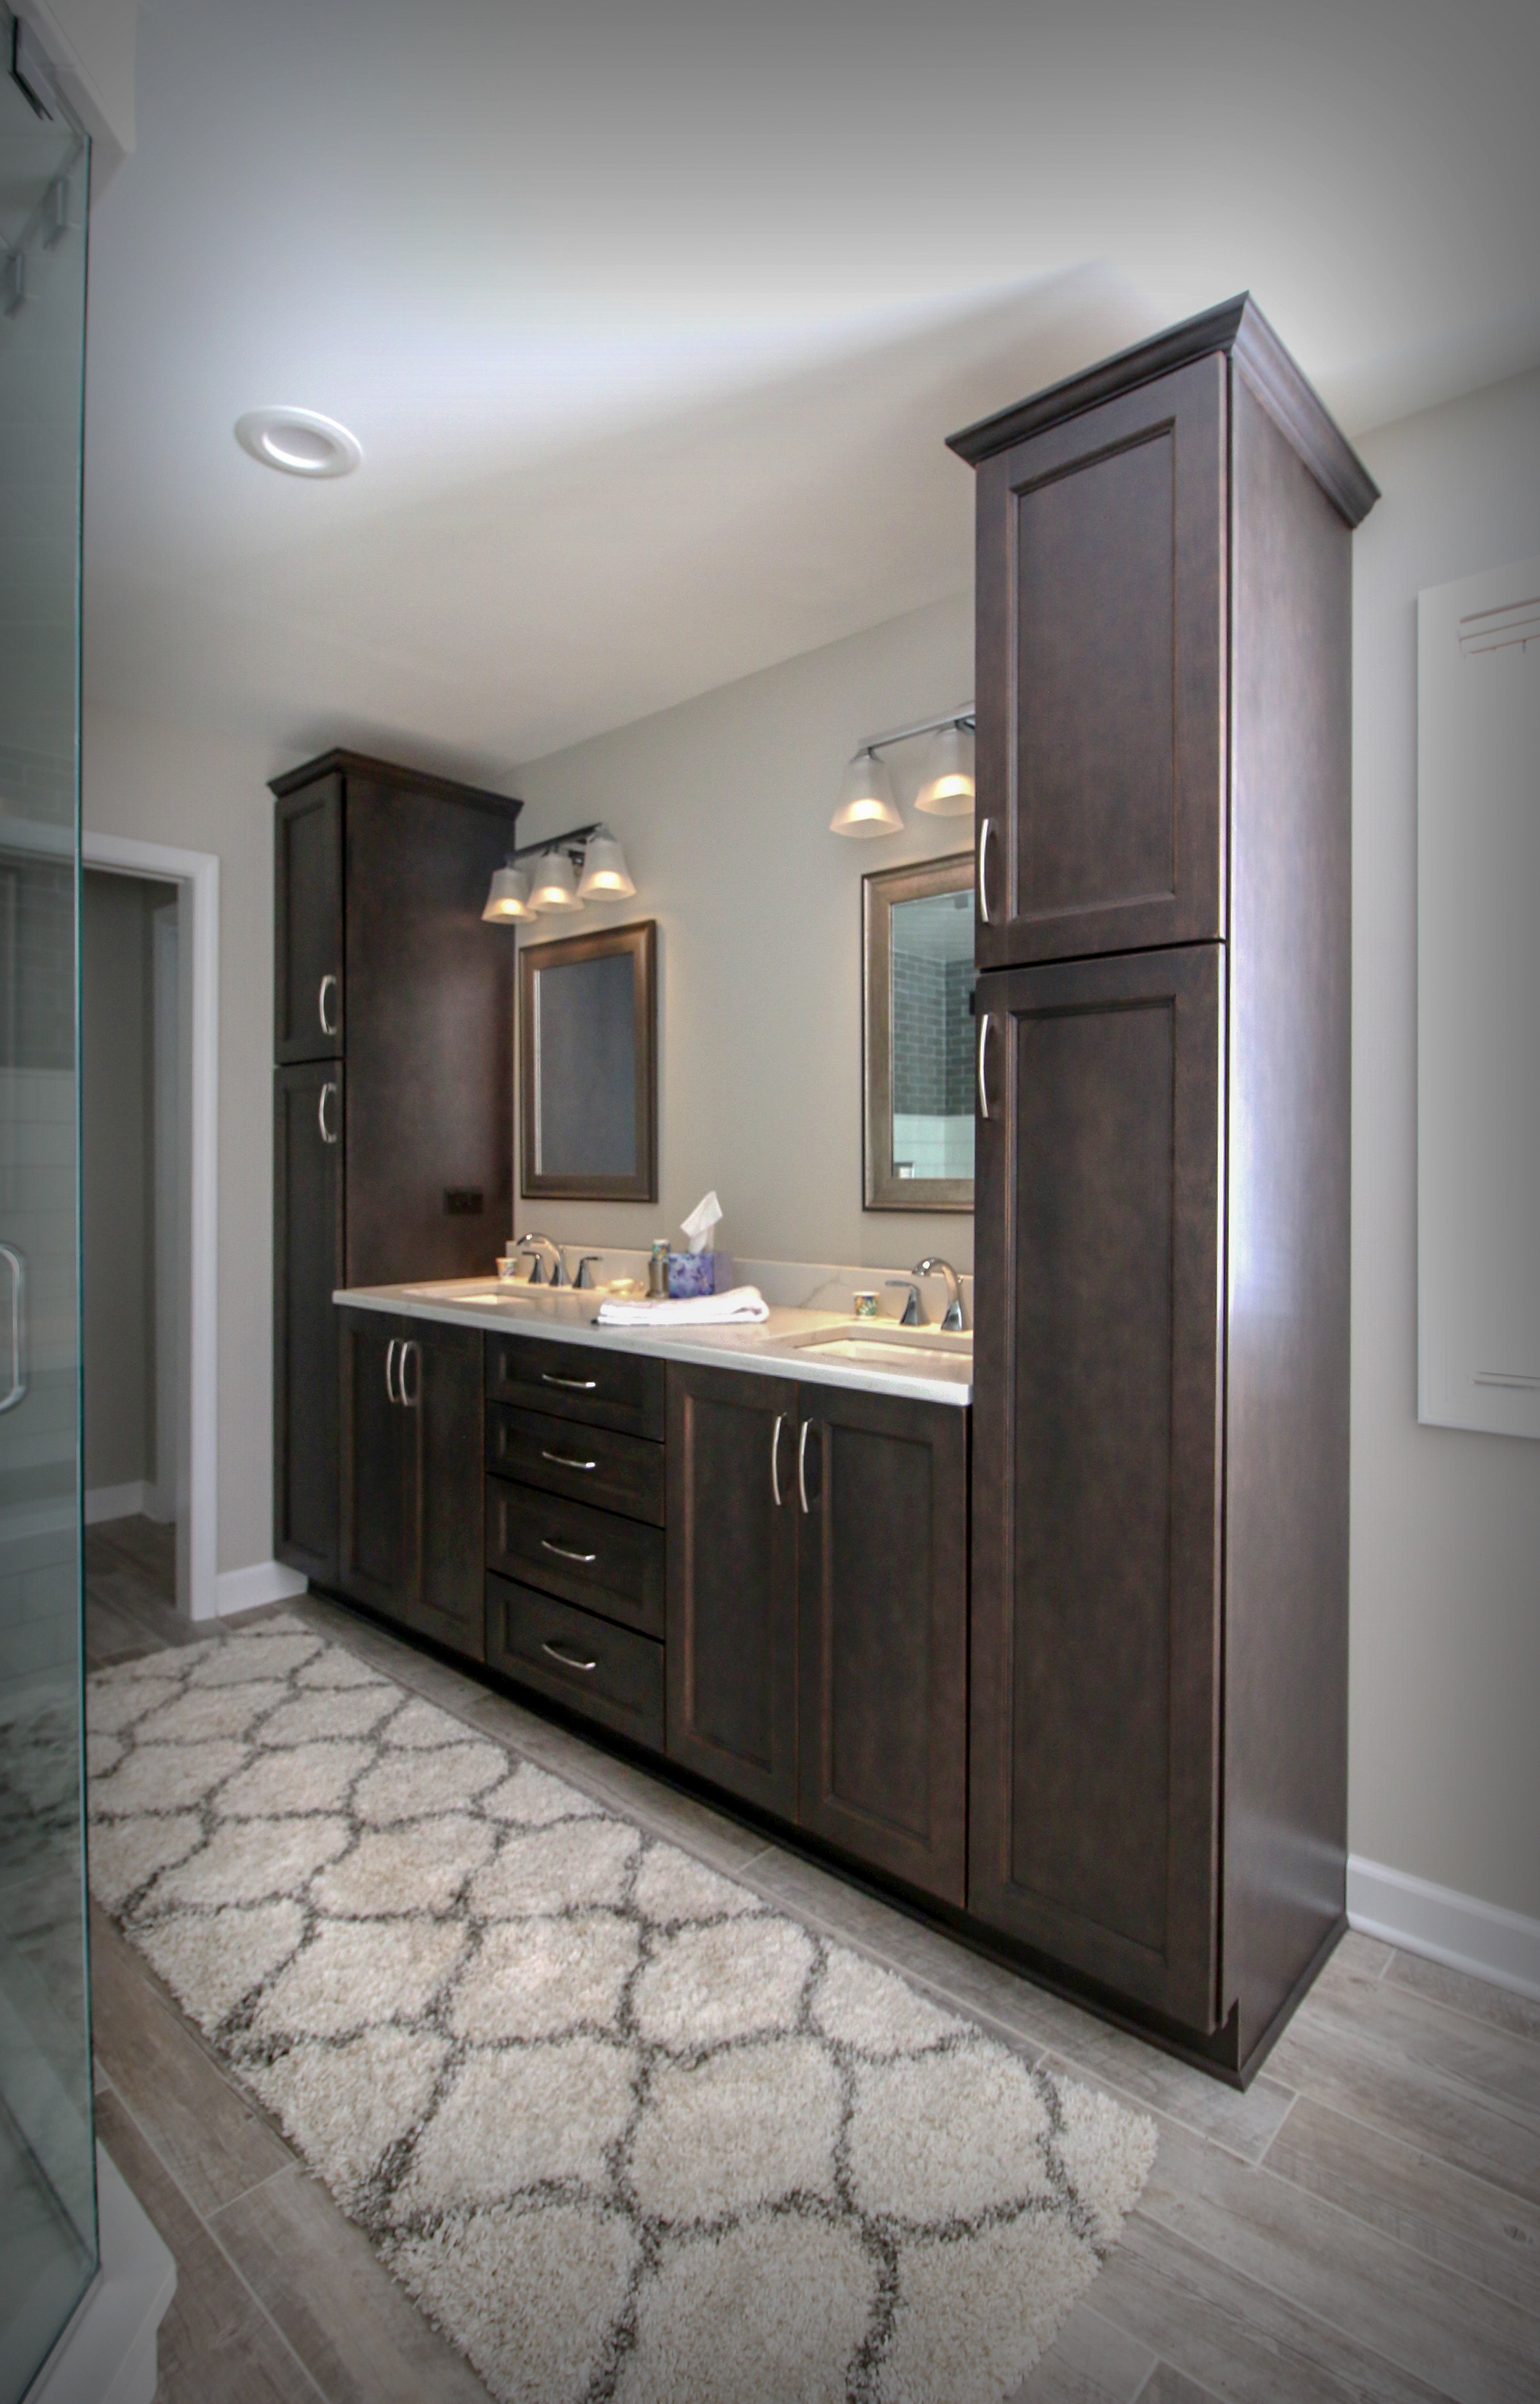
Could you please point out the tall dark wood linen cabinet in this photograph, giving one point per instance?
(1159, 1739)
(393, 1141)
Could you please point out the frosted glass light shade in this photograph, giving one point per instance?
(605, 875)
(946, 786)
(866, 803)
(509, 897)
(555, 887)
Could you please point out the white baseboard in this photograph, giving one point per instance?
(1458, 1930)
(263, 1581)
(114, 1502)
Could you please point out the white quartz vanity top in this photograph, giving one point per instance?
(927, 1365)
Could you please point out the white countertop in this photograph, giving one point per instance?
(928, 1367)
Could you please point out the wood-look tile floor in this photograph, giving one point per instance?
(1362, 2227)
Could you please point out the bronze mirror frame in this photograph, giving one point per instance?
(879, 892)
(640, 940)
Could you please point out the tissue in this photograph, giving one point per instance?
(702, 1219)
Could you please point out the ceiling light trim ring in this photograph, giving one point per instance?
(319, 448)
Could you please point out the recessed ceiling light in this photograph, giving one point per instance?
(300, 442)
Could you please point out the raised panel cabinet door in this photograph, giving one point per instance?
(308, 932)
(732, 1582)
(883, 1587)
(1095, 1693)
(307, 1155)
(440, 1383)
(377, 1546)
(1100, 816)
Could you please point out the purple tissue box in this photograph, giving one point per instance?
(691, 1273)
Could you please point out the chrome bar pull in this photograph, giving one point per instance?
(774, 1457)
(565, 1553)
(329, 1133)
(568, 1660)
(802, 1465)
(571, 1385)
(983, 1080)
(986, 827)
(391, 1349)
(414, 1351)
(16, 1263)
(565, 1461)
(329, 1024)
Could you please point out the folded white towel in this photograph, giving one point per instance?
(697, 1310)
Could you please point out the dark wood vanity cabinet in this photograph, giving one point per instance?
(411, 1541)
(817, 1651)
(393, 1035)
(1160, 1425)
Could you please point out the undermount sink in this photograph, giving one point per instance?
(493, 1292)
(888, 1345)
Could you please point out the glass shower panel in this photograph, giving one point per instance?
(48, 2205)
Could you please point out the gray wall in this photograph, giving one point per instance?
(118, 1175)
(1446, 1526)
(724, 807)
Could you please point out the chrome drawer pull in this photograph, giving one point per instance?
(986, 828)
(984, 1026)
(565, 1461)
(329, 1024)
(565, 1552)
(572, 1385)
(802, 1466)
(391, 1395)
(567, 1660)
(775, 1456)
(329, 1133)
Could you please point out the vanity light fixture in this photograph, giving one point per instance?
(585, 864)
(299, 442)
(866, 802)
(946, 788)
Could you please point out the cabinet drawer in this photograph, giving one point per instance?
(589, 1464)
(610, 1565)
(608, 1673)
(577, 1381)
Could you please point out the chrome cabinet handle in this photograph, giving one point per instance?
(982, 1080)
(565, 1552)
(802, 1465)
(565, 1461)
(571, 1385)
(329, 1026)
(567, 1660)
(774, 1457)
(329, 1133)
(986, 829)
(391, 1349)
(413, 1350)
(17, 1265)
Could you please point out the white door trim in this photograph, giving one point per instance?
(197, 874)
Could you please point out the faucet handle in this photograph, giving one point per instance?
(911, 1309)
(583, 1277)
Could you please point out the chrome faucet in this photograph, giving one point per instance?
(537, 1276)
(587, 1262)
(912, 1314)
(952, 1315)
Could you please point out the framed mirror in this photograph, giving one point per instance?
(917, 1036)
(588, 1080)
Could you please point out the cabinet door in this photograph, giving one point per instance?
(440, 1385)
(1100, 678)
(883, 1586)
(1095, 1616)
(377, 1548)
(307, 1155)
(732, 1600)
(308, 935)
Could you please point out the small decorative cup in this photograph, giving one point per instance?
(866, 1306)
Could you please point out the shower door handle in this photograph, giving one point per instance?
(17, 1265)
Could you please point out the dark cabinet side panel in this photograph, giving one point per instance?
(429, 1041)
(308, 932)
(377, 1561)
(1096, 1629)
(883, 1578)
(442, 1382)
(731, 1649)
(1100, 678)
(307, 1270)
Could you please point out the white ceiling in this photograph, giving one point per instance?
(651, 319)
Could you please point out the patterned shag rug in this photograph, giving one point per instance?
(621, 2129)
